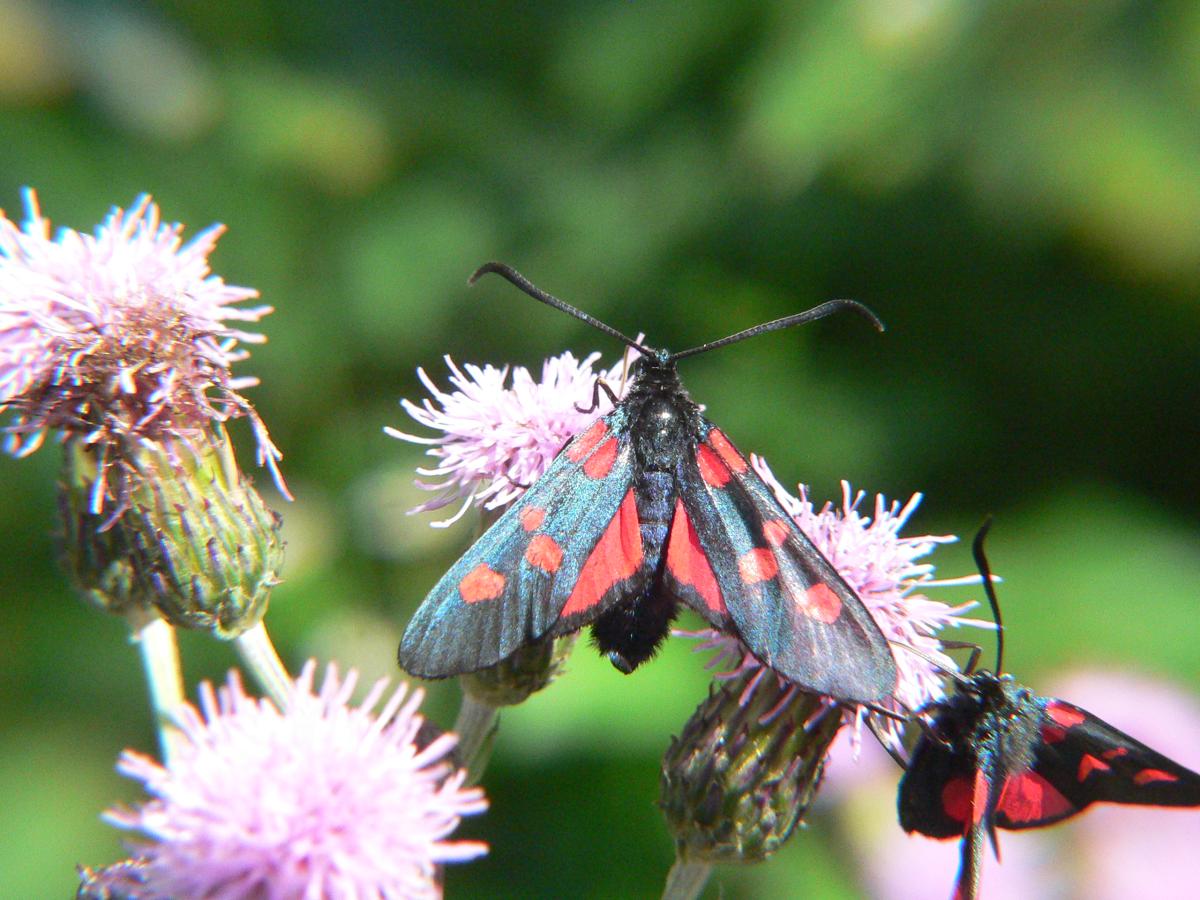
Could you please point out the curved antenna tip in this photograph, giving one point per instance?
(865, 311)
(485, 269)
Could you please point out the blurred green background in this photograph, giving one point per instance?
(1014, 187)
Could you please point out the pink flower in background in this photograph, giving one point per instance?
(119, 335)
(323, 799)
(884, 571)
(498, 439)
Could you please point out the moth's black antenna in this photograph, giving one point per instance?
(985, 571)
(508, 272)
(811, 315)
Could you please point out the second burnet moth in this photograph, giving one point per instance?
(651, 507)
(997, 755)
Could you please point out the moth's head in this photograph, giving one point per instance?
(652, 362)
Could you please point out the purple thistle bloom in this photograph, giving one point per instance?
(497, 440)
(884, 571)
(323, 799)
(120, 336)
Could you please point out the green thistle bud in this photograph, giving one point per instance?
(180, 529)
(520, 676)
(740, 777)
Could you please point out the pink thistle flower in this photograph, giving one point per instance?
(120, 336)
(323, 799)
(497, 440)
(884, 571)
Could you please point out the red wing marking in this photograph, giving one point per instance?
(714, 472)
(616, 556)
(544, 553)
(757, 565)
(1114, 752)
(583, 444)
(821, 603)
(979, 797)
(1063, 718)
(601, 462)
(1064, 715)
(481, 583)
(687, 562)
(776, 531)
(1088, 765)
(1052, 734)
(1030, 798)
(956, 799)
(531, 517)
(727, 451)
(1148, 776)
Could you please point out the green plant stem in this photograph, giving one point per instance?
(155, 639)
(686, 880)
(260, 658)
(476, 729)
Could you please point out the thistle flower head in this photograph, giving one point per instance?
(322, 799)
(742, 773)
(120, 336)
(497, 438)
(883, 569)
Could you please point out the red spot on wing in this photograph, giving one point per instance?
(714, 472)
(544, 553)
(687, 562)
(776, 531)
(481, 583)
(1052, 734)
(616, 556)
(1114, 752)
(601, 462)
(1029, 798)
(1090, 764)
(531, 517)
(1148, 776)
(1062, 719)
(1066, 716)
(757, 565)
(727, 451)
(821, 603)
(584, 444)
(956, 799)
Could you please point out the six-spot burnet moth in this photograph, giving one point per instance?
(649, 507)
(998, 755)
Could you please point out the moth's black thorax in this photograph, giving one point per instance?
(993, 717)
(662, 415)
